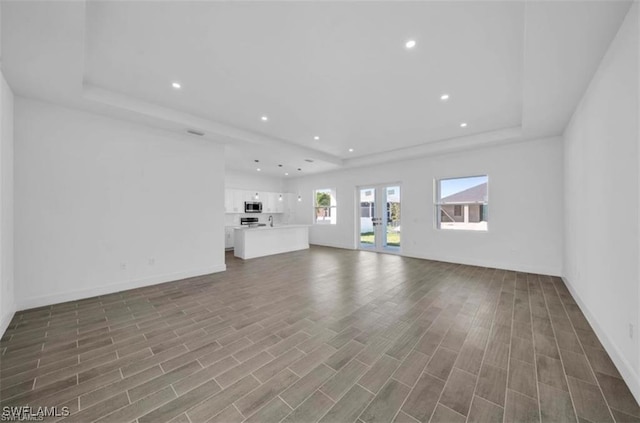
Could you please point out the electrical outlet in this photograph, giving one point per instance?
(123, 266)
(152, 261)
(631, 330)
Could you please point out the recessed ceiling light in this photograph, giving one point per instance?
(286, 174)
(258, 169)
(351, 150)
(463, 125)
(176, 85)
(316, 138)
(410, 44)
(264, 118)
(444, 97)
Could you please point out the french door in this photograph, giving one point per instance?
(379, 211)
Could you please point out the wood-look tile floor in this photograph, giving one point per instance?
(319, 335)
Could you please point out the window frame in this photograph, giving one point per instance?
(332, 207)
(438, 204)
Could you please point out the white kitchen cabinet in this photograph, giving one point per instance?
(228, 200)
(264, 241)
(250, 196)
(228, 236)
(268, 202)
(289, 202)
(279, 202)
(272, 202)
(263, 199)
(243, 196)
(290, 207)
(234, 201)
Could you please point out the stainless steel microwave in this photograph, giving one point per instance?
(252, 207)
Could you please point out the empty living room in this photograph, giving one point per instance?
(319, 211)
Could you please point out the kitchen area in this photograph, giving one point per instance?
(257, 223)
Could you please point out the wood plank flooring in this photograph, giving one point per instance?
(319, 335)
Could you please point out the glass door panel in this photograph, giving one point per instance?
(367, 218)
(379, 210)
(392, 218)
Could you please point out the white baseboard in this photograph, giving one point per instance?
(624, 367)
(45, 300)
(6, 319)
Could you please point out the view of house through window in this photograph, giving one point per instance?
(462, 203)
(325, 206)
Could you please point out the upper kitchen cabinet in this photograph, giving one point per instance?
(250, 196)
(234, 200)
(268, 202)
(229, 201)
(280, 202)
(290, 202)
(272, 202)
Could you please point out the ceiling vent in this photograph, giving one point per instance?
(194, 132)
(308, 160)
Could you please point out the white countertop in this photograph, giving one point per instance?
(269, 228)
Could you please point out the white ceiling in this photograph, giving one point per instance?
(337, 70)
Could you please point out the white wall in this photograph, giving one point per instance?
(97, 198)
(525, 206)
(601, 201)
(7, 300)
(259, 182)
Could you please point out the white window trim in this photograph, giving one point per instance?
(333, 207)
(438, 204)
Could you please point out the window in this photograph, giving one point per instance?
(462, 203)
(325, 206)
(366, 209)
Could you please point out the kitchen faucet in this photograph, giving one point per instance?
(271, 221)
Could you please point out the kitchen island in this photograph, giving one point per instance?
(267, 240)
